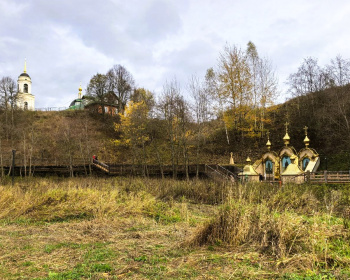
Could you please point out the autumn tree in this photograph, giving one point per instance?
(133, 130)
(235, 84)
(143, 95)
(247, 85)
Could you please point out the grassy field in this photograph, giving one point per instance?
(124, 228)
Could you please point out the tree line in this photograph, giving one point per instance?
(228, 110)
(321, 101)
(233, 98)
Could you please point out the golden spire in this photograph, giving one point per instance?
(25, 66)
(306, 140)
(248, 160)
(80, 89)
(268, 143)
(231, 159)
(286, 137)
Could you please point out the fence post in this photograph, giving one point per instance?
(325, 176)
(308, 176)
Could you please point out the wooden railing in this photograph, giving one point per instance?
(218, 172)
(20, 161)
(51, 109)
(227, 172)
(102, 166)
(215, 174)
(129, 169)
(330, 177)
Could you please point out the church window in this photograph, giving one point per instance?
(285, 162)
(305, 163)
(25, 105)
(268, 166)
(25, 88)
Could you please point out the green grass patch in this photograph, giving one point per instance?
(49, 248)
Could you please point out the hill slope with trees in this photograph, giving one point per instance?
(229, 110)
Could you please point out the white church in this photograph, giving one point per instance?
(25, 98)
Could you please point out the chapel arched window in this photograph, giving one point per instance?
(285, 162)
(305, 163)
(268, 167)
(25, 88)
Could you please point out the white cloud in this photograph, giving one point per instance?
(66, 42)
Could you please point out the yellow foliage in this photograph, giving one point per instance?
(133, 124)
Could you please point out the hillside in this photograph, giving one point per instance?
(327, 116)
(325, 113)
(72, 137)
(56, 137)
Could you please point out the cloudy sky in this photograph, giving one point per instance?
(66, 42)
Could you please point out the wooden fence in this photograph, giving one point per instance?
(328, 177)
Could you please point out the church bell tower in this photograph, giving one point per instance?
(25, 98)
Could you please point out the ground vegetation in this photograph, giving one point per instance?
(125, 228)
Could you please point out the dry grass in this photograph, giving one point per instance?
(90, 228)
(281, 235)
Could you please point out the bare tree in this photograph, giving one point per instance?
(264, 85)
(8, 95)
(338, 71)
(202, 112)
(97, 89)
(309, 78)
(267, 89)
(339, 77)
(213, 90)
(121, 84)
(174, 110)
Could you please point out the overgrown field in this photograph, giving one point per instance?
(132, 228)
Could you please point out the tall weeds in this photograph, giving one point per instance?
(296, 223)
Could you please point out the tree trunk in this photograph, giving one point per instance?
(1, 162)
(24, 155)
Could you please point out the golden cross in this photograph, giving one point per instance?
(286, 125)
(305, 128)
(268, 134)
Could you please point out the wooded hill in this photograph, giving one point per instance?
(327, 115)
(74, 136)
